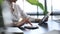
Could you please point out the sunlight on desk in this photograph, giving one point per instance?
(13, 30)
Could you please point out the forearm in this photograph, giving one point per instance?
(23, 22)
(20, 23)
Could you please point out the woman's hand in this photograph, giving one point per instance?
(26, 20)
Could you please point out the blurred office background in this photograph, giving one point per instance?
(52, 7)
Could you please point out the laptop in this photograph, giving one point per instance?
(43, 21)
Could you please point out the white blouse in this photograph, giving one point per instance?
(9, 16)
(18, 13)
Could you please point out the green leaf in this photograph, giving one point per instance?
(1, 1)
(41, 6)
(35, 2)
(45, 12)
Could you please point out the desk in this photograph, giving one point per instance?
(12, 30)
(40, 30)
(53, 25)
(53, 32)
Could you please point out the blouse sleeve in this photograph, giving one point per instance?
(24, 15)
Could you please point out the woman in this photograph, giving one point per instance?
(20, 14)
(17, 16)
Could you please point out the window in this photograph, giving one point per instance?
(29, 8)
(56, 9)
(52, 6)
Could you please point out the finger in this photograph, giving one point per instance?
(27, 20)
(30, 23)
